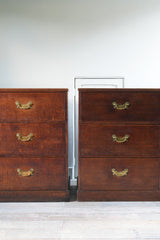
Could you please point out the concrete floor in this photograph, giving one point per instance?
(80, 220)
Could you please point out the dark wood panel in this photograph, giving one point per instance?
(96, 174)
(49, 139)
(96, 140)
(46, 107)
(96, 105)
(49, 174)
(101, 158)
(34, 196)
(119, 90)
(118, 195)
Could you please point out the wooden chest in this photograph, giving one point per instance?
(119, 144)
(33, 148)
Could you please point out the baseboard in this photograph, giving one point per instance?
(34, 196)
(118, 195)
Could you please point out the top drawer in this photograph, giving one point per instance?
(119, 105)
(31, 106)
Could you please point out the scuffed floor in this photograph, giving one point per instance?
(80, 220)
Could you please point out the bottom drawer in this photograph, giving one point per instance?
(118, 174)
(32, 174)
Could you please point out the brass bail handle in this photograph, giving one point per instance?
(25, 173)
(119, 173)
(24, 106)
(120, 139)
(27, 138)
(121, 106)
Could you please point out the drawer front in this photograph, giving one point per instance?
(32, 107)
(98, 106)
(20, 139)
(118, 174)
(125, 140)
(47, 174)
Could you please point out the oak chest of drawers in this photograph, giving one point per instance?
(33, 148)
(119, 144)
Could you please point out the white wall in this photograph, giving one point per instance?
(46, 43)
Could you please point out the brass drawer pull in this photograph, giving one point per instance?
(25, 173)
(121, 173)
(121, 106)
(27, 138)
(120, 139)
(24, 106)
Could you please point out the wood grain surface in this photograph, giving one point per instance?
(99, 153)
(46, 152)
(96, 105)
(46, 107)
(95, 139)
(96, 174)
(48, 140)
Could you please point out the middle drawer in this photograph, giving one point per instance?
(32, 139)
(124, 140)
